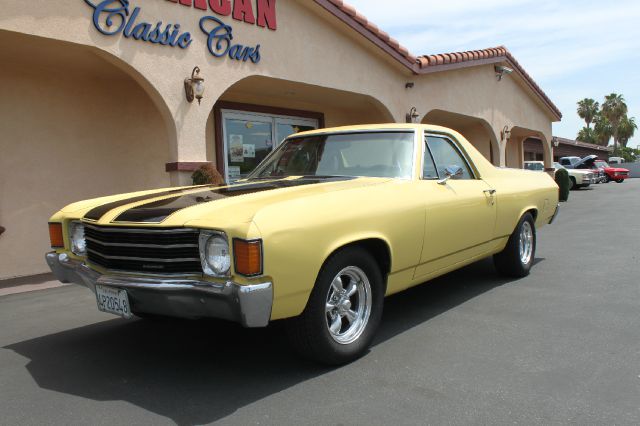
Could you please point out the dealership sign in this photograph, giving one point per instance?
(115, 17)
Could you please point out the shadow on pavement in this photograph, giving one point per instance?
(196, 372)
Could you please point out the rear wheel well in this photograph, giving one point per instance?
(534, 213)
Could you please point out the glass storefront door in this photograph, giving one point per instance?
(250, 137)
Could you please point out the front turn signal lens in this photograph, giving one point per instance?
(248, 257)
(55, 235)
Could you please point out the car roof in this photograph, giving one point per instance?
(376, 128)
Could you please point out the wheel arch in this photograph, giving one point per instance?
(531, 209)
(375, 245)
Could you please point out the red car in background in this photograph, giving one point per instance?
(592, 162)
(612, 173)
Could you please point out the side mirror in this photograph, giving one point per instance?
(451, 172)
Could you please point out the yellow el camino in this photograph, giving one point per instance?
(330, 223)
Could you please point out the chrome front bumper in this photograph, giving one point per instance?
(250, 305)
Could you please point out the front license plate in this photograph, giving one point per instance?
(113, 301)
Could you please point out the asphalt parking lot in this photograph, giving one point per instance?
(561, 346)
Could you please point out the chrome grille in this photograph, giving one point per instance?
(147, 250)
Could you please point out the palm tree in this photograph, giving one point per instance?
(614, 108)
(603, 130)
(588, 110)
(588, 135)
(626, 129)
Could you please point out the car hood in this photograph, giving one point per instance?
(616, 169)
(587, 161)
(220, 205)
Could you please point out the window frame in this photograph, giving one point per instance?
(218, 136)
(259, 117)
(456, 147)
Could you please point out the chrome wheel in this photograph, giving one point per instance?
(526, 243)
(348, 305)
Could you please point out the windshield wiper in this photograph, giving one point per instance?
(266, 178)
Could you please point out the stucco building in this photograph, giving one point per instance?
(93, 96)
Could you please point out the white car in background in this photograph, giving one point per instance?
(579, 178)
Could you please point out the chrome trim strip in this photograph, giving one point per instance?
(159, 283)
(147, 259)
(134, 274)
(158, 246)
(117, 229)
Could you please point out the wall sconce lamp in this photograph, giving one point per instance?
(194, 86)
(505, 134)
(556, 141)
(413, 115)
(501, 70)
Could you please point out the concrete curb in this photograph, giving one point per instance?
(29, 283)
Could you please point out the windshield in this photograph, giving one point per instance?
(534, 166)
(601, 163)
(558, 166)
(373, 154)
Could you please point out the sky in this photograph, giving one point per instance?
(572, 49)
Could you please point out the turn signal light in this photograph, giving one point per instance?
(248, 257)
(55, 235)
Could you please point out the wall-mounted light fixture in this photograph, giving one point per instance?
(194, 86)
(505, 134)
(413, 115)
(501, 70)
(556, 141)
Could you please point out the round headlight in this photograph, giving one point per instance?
(216, 255)
(76, 237)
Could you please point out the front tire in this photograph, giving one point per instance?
(517, 257)
(572, 184)
(607, 179)
(343, 312)
(619, 180)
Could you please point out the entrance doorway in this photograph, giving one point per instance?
(249, 137)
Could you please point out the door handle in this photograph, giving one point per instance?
(491, 193)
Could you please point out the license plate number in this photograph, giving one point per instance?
(113, 301)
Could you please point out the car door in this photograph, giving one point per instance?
(460, 211)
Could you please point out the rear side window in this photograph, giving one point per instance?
(445, 154)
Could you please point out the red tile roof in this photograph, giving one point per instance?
(372, 28)
(490, 55)
(431, 63)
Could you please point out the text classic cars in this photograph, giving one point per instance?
(330, 223)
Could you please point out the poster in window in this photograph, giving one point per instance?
(236, 149)
(249, 151)
(234, 172)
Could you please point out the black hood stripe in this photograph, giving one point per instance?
(158, 211)
(97, 212)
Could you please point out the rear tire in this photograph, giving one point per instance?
(607, 179)
(517, 257)
(344, 310)
(572, 185)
